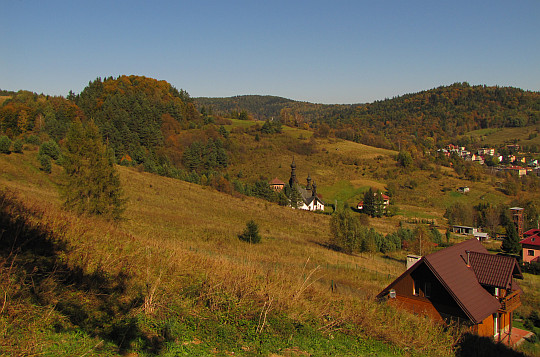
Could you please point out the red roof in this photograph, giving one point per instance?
(276, 181)
(532, 240)
(494, 270)
(531, 232)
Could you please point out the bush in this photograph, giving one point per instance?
(45, 162)
(18, 146)
(33, 139)
(50, 148)
(251, 233)
(5, 145)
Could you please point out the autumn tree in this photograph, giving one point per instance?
(91, 184)
(422, 243)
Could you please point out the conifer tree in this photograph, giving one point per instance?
(251, 233)
(511, 244)
(91, 184)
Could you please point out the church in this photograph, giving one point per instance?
(310, 200)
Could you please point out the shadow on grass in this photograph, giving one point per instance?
(96, 303)
(472, 345)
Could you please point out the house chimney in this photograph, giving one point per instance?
(468, 258)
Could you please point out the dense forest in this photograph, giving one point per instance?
(144, 120)
(440, 114)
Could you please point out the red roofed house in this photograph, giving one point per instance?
(462, 283)
(386, 202)
(276, 184)
(531, 246)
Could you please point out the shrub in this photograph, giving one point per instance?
(33, 139)
(18, 146)
(251, 233)
(50, 148)
(5, 145)
(45, 162)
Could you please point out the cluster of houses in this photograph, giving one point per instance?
(515, 164)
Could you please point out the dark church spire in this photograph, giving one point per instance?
(293, 181)
(308, 187)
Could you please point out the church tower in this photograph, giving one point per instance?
(293, 181)
(308, 187)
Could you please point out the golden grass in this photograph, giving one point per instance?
(177, 233)
(507, 135)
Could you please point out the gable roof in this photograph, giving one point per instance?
(276, 181)
(532, 240)
(532, 232)
(494, 270)
(449, 266)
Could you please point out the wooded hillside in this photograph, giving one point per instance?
(441, 113)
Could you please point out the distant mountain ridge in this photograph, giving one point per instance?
(439, 113)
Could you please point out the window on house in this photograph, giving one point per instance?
(530, 253)
(416, 288)
(427, 289)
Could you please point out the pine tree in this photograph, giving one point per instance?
(511, 244)
(91, 184)
(369, 202)
(251, 233)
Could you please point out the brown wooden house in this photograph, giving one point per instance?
(462, 283)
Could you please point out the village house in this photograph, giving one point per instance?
(466, 230)
(531, 246)
(385, 202)
(464, 284)
(277, 185)
(486, 151)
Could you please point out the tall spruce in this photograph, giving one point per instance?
(91, 184)
(510, 243)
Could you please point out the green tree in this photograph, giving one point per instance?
(347, 233)
(45, 163)
(404, 158)
(5, 145)
(18, 146)
(510, 243)
(251, 233)
(50, 148)
(294, 196)
(90, 184)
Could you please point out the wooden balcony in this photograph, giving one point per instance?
(510, 302)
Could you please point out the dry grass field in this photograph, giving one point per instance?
(180, 257)
(178, 237)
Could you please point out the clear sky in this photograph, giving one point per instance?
(330, 51)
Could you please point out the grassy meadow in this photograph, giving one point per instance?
(188, 283)
(173, 278)
(527, 135)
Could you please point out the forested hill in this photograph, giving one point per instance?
(440, 113)
(263, 107)
(134, 113)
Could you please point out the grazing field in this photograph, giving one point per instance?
(527, 135)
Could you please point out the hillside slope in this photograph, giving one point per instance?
(188, 284)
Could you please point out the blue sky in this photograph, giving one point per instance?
(318, 51)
